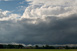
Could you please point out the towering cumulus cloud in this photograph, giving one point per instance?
(43, 22)
(50, 8)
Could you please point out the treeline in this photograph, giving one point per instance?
(20, 46)
(51, 47)
(44, 47)
(10, 46)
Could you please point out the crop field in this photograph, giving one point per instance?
(38, 49)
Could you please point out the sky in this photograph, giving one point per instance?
(38, 21)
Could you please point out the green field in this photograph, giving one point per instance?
(38, 50)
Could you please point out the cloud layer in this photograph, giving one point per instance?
(43, 22)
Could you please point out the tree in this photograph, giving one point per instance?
(20, 46)
(37, 47)
(46, 46)
(1, 46)
(67, 47)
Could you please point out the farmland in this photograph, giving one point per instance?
(38, 49)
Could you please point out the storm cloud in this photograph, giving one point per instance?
(43, 22)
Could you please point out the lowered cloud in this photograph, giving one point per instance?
(43, 22)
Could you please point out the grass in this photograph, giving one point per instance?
(38, 49)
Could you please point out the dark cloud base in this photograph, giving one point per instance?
(55, 31)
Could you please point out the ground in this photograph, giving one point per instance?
(38, 49)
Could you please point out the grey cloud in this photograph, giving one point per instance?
(56, 31)
(49, 28)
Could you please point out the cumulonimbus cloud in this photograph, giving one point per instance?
(43, 22)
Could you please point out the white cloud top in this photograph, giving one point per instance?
(44, 8)
(8, 15)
